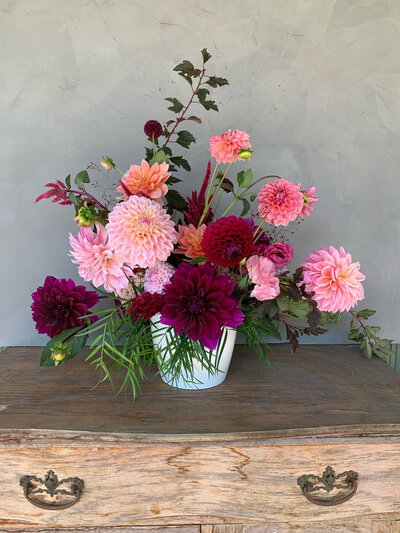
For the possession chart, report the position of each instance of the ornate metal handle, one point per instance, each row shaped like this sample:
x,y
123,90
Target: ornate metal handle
x,y
52,484
311,484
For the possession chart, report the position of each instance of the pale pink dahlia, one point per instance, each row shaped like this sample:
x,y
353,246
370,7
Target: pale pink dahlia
x,y
334,279
97,261
280,202
225,147
157,277
308,199
146,180
141,231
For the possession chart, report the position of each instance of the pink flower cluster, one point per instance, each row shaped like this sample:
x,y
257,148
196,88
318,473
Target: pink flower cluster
x,y
262,272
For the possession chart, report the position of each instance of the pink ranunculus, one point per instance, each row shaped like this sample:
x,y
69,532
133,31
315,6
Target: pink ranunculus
x,y
262,272
226,147
280,202
280,254
334,279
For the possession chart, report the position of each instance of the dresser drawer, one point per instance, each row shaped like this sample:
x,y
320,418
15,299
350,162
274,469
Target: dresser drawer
x,y
139,483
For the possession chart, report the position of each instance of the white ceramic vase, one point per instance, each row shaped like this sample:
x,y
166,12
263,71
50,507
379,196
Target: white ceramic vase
x,y
201,378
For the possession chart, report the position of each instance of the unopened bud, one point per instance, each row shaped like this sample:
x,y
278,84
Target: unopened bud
x,y
59,353
245,154
107,163
86,216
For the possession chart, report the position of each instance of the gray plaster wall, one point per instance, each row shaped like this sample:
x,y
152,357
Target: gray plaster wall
x,y
316,83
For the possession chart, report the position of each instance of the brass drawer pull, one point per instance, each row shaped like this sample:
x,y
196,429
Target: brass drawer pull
x,y
52,484
310,485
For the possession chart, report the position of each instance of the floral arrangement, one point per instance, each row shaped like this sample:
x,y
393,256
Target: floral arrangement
x,y
188,264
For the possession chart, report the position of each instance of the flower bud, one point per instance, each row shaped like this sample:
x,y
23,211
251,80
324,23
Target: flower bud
x,y
153,129
59,353
107,163
86,216
245,154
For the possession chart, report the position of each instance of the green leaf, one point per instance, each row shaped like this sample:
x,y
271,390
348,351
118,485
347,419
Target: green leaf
x,y
68,181
253,197
196,260
365,313
283,303
176,200
370,331
176,106
245,178
195,119
214,81
298,309
353,324
159,157
355,335
206,55
243,282
185,138
82,178
75,345
207,104
366,348
246,207
75,200
172,179
331,318
180,162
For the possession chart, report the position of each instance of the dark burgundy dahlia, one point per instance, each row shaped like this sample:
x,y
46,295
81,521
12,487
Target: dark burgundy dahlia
x,y
199,302
153,128
227,241
146,305
60,304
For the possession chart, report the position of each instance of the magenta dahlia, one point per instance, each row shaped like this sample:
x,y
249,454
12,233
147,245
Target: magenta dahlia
x,y
60,304
227,241
199,302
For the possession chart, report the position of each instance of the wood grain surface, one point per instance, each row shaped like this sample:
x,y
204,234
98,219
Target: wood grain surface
x,y
205,483
319,387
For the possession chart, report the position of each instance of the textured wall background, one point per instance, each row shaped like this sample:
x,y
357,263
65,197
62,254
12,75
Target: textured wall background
x,y
316,83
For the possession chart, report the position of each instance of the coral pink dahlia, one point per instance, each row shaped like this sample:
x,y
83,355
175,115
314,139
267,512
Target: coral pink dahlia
x,y
141,231
146,180
334,279
226,147
97,261
189,239
280,202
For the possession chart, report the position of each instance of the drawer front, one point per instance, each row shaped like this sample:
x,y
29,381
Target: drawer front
x,y
203,483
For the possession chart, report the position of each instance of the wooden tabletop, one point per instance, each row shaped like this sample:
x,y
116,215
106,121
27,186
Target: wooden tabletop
x,y
320,389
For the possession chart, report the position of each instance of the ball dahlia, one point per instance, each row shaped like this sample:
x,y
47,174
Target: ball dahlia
x,y
226,147
227,241
280,202
146,305
141,231
145,180
97,261
334,279
199,302
59,305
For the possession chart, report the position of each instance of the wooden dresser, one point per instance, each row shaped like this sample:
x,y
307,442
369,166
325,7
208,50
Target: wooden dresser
x,y
237,458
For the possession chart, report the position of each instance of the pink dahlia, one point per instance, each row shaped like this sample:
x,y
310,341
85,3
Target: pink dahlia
x,y
262,273
145,180
97,261
309,199
141,231
189,239
227,241
199,302
157,277
60,304
334,279
226,147
280,202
